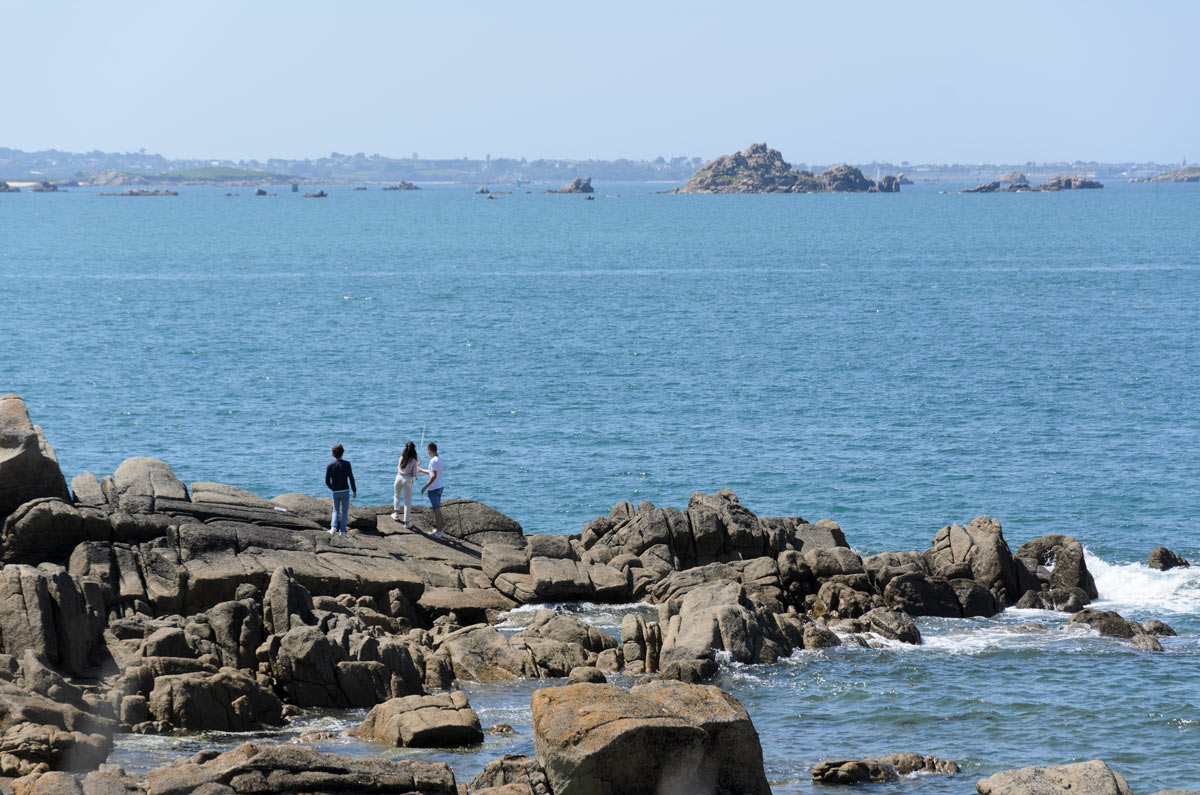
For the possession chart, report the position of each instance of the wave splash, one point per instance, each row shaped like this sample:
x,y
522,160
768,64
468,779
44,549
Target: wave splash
x,y
1135,587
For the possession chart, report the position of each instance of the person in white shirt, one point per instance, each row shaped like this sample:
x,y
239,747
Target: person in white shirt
x,y
435,485
406,475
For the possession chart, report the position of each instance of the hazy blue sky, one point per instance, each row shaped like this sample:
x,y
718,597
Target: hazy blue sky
x,y
946,81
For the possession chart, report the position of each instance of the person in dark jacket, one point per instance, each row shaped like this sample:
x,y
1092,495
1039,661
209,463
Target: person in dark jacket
x,y
339,478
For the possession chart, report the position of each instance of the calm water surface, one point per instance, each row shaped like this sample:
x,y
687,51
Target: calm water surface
x,y
893,362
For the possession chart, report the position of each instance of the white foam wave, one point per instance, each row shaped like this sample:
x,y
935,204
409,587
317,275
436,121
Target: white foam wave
x,y
1136,587
597,614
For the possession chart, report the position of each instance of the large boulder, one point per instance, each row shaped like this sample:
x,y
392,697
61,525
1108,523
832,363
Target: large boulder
x,y
979,552
28,466
719,617
312,670
46,610
229,700
593,738
1094,778
919,595
1065,556
286,603
49,529
230,631
145,485
444,720
253,769
551,625
481,653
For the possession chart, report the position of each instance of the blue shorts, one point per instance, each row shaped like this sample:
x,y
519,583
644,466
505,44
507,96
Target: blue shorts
x,y
435,498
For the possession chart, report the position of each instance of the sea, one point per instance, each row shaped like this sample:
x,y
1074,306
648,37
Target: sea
x,y
894,362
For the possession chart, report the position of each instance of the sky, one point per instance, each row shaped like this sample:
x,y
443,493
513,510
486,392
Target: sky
x,y
933,82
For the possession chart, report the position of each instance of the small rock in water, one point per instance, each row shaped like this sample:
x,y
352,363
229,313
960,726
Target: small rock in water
x,y
501,728
586,673
1158,628
313,736
1164,559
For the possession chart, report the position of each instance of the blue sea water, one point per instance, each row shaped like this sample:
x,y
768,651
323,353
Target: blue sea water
x,y
893,362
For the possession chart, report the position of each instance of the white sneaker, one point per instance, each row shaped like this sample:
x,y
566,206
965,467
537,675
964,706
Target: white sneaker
x,y
333,531
436,534
395,517
408,526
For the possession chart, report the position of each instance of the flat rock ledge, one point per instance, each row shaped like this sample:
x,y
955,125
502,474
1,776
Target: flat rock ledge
x,y
251,769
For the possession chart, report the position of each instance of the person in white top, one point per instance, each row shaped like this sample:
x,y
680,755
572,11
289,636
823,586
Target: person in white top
x,y
435,485
406,475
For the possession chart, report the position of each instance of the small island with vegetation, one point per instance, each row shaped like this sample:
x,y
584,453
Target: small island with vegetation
x,y
1185,174
759,169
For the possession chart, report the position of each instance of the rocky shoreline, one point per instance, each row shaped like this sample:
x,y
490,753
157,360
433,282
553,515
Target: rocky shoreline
x,y
137,603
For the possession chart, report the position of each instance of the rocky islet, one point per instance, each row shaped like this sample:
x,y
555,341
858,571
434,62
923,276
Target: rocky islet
x,y
1017,183
760,169
137,603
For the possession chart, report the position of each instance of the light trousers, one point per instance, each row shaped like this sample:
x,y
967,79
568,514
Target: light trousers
x,y
403,495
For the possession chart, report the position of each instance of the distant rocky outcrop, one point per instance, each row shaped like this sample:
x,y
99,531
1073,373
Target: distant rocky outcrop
x,y
6,188
401,186
759,169
320,194
1069,183
42,186
577,185
259,192
1018,184
903,179
1185,174
144,192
